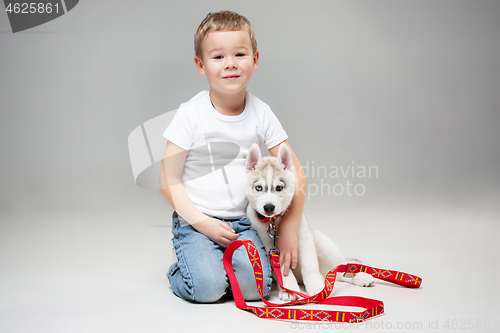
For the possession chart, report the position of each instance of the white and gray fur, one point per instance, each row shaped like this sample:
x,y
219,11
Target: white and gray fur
x,y
270,189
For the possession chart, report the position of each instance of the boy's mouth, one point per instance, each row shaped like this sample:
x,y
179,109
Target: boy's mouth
x,y
230,77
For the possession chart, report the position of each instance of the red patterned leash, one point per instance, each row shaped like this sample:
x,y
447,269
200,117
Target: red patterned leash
x,y
273,311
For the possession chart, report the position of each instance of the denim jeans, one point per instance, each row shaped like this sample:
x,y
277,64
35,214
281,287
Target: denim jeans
x,y
199,275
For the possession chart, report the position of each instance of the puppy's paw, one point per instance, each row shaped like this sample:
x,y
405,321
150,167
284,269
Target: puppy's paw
x,y
287,296
363,280
314,288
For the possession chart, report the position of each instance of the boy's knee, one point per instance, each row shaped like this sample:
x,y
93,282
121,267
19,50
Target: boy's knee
x,y
209,289
204,289
208,295
248,285
249,288
250,293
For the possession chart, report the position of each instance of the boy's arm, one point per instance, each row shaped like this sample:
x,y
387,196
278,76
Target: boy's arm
x,y
287,239
171,186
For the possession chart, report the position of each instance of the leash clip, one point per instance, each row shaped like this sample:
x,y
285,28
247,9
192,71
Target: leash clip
x,y
272,232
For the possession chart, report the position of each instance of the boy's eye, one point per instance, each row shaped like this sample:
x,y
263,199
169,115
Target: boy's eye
x,y
240,54
218,57
258,188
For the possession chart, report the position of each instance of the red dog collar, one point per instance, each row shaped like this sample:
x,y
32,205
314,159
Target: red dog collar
x,y
266,219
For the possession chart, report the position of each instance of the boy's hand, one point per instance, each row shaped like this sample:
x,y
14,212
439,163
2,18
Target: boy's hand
x,y
217,231
287,244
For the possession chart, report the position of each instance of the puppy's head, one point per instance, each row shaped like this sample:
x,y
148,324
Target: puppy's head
x,y
270,180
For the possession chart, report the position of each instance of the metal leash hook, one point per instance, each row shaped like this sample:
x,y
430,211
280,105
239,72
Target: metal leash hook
x,y
273,234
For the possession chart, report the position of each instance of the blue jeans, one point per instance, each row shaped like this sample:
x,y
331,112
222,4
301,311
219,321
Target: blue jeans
x,y
199,275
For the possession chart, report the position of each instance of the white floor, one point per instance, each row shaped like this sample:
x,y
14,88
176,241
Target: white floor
x,y
104,271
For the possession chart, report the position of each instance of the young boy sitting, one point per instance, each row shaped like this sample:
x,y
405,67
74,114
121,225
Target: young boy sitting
x,y
203,176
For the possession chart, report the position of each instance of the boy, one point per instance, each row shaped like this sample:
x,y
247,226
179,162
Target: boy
x,y
203,175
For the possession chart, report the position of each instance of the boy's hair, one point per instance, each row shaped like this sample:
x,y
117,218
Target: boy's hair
x,y
224,20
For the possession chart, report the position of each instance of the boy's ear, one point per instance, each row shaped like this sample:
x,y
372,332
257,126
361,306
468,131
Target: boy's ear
x,y
254,158
256,57
199,65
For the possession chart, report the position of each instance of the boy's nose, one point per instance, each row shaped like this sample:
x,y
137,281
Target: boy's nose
x,y
230,63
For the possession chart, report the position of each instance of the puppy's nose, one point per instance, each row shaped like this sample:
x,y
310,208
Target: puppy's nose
x,y
269,209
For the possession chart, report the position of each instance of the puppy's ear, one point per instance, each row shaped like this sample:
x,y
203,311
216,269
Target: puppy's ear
x,y
285,157
254,158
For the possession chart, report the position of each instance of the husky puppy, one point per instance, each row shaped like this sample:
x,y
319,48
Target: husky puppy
x,y
270,189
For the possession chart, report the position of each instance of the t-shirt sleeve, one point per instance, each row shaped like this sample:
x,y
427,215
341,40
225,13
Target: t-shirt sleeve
x,y
274,132
179,131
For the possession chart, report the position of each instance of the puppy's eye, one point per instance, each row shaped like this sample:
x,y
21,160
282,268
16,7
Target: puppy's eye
x,y
279,188
258,188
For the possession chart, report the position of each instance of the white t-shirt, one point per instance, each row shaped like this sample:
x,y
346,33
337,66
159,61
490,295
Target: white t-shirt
x,y
214,170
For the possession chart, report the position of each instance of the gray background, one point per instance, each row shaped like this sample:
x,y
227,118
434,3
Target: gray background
x,y
412,87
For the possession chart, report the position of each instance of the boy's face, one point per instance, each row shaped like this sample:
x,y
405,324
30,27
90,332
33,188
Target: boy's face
x,y
228,61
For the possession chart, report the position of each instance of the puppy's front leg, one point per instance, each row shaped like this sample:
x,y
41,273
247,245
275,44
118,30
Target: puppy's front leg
x,y
289,282
308,260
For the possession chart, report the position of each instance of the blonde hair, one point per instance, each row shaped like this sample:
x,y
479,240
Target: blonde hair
x,y
224,20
